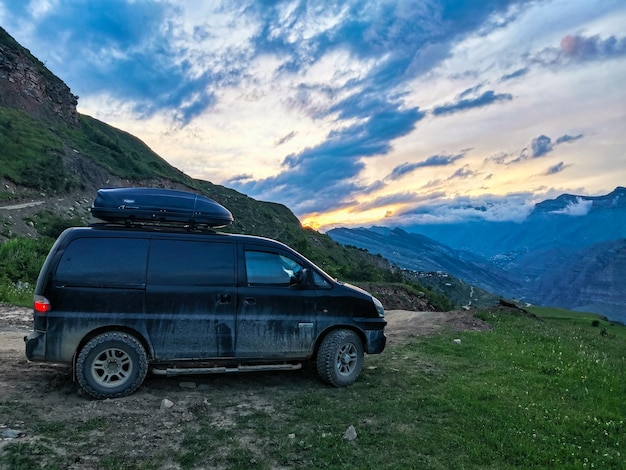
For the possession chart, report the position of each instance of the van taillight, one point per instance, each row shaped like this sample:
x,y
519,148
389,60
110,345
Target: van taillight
x,y
41,304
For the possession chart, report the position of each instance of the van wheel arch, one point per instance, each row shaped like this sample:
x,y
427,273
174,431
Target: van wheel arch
x,y
109,329
326,332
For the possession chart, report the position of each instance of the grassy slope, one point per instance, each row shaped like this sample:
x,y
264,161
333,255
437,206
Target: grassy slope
x,y
32,151
33,155
528,394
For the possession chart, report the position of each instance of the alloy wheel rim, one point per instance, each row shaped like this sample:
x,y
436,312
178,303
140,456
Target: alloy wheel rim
x,y
112,367
347,359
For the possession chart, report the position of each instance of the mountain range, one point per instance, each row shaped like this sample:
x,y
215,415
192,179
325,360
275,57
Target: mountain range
x,y
570,252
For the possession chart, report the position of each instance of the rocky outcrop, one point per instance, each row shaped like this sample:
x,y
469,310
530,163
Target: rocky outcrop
x,y
26,84
398,297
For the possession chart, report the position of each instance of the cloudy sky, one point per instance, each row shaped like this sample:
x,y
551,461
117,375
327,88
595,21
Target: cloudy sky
x,y
355,112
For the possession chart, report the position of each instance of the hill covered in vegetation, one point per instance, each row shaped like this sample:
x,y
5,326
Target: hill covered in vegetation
x,y
53,160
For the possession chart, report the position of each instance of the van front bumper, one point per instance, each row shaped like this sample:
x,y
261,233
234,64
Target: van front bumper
x,y
376,341
36,346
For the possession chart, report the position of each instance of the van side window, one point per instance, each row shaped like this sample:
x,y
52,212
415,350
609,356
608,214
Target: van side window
x,y
104,262
271,268
319,281
190,263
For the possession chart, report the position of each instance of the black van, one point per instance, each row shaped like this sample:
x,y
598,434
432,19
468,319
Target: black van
x,y
113,301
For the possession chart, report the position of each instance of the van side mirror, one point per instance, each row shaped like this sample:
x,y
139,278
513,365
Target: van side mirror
x,y
302,278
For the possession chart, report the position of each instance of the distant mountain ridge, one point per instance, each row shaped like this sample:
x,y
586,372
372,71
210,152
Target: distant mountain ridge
x,y
568,220
570,252
615,199
592,279
419,253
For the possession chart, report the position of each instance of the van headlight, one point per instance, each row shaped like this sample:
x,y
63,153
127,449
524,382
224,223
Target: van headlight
x,y
379,307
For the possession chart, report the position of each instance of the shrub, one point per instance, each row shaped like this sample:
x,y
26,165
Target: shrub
x,y
20,262
49,224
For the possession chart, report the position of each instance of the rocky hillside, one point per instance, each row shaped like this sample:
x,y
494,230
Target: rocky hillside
x,y
25,83
419,253
53,160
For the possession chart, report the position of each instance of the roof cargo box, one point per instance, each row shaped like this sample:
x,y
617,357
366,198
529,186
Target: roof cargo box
x,y
129,205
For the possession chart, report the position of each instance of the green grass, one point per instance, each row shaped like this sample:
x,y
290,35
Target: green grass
x,y
32,153
20,261
531,393
119,152
528,394
50,224
33,149
27,456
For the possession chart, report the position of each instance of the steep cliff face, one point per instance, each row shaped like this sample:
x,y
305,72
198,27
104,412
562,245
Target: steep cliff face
x,y
25,83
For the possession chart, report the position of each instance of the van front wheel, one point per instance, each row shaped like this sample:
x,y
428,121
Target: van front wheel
x,y
111,365
340,358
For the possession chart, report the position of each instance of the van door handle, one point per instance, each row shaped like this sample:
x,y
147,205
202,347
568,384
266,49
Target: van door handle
x,y
249,301
223,298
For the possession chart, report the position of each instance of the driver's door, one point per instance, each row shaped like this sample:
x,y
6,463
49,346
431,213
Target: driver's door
x,y
276,313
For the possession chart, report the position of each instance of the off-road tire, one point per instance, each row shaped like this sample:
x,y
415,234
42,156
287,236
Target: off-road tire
x,y
111,365
340,358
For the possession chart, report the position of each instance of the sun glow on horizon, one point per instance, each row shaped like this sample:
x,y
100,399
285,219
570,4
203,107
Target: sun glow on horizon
x,y
349,216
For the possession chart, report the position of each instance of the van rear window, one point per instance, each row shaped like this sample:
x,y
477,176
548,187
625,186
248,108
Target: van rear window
x,y
104,262
189,263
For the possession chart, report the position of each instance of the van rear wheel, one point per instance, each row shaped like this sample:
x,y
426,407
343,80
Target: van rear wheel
x,y
340,358
111,365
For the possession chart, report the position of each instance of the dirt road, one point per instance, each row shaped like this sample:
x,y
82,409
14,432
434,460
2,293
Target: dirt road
x,y
37,381
15,207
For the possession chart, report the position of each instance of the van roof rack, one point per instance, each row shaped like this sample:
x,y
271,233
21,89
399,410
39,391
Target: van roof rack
x,y
156,226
